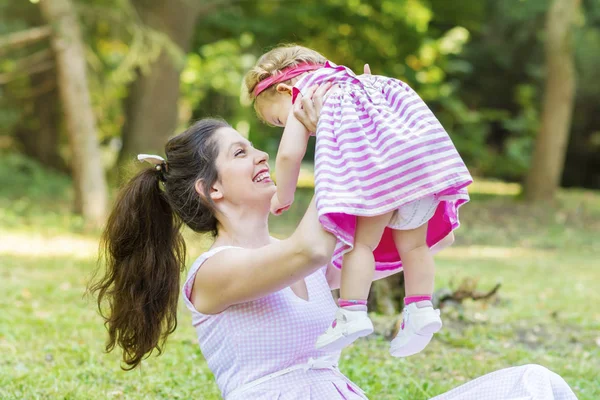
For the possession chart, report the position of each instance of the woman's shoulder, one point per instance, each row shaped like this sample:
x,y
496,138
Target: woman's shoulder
x,y
208,273
203,257
188,284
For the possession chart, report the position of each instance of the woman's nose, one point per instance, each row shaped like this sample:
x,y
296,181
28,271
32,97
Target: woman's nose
x,y
261,157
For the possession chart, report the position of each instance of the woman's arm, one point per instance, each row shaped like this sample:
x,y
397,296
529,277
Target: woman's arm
x,y
236,276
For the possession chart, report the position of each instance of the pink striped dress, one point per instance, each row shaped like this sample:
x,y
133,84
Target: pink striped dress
x,y
379,147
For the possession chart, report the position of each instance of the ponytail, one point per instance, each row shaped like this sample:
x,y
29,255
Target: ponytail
x,y
142,246
144,253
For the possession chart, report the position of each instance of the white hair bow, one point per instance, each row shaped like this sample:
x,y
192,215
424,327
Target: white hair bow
x,y
155,160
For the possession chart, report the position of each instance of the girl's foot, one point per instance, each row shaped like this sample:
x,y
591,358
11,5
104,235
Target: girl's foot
x,y
420,322
346,328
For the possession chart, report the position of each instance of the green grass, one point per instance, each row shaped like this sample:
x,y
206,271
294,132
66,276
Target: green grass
x,y
546,257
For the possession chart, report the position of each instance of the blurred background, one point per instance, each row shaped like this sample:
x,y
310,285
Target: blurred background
x,y
85,85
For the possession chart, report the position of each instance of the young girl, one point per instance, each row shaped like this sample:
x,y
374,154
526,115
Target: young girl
x,y
388,183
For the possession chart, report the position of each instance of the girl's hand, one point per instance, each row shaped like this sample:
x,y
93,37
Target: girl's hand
x,y
277,207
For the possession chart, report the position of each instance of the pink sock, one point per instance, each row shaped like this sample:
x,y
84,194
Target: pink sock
x,y
353,305
416,299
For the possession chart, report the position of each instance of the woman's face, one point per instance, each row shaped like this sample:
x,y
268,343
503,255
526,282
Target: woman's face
x,y
244,177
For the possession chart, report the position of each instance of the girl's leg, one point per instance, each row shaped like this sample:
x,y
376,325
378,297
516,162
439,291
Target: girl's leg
x,y
358,266
420,320
417,261
442,244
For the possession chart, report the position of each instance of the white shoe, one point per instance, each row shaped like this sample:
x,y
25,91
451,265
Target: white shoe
x,y
345,329
418,327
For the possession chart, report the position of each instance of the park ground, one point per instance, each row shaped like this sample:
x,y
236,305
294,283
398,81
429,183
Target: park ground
x,y
546,257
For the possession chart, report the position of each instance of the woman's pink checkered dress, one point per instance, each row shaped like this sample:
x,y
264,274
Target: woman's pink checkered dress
x,y
378,148
251,340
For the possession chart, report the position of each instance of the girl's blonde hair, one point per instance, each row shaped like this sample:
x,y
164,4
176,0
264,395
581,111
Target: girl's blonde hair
x,y
274,61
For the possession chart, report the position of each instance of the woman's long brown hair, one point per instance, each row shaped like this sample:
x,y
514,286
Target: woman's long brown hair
x,y
142,249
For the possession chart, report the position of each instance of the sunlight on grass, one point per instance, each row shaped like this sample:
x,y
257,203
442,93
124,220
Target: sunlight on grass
x,y
490,252
44,246
498,188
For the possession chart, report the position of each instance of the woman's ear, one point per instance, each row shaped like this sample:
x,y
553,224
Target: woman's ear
x,y
216,192
284,88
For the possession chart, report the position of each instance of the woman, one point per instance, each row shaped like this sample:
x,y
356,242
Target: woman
x,y
258,304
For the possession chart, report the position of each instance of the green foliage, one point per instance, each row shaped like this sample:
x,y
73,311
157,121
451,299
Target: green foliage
x,y
23,178
34,198
478,64
119,45
14,17
401,44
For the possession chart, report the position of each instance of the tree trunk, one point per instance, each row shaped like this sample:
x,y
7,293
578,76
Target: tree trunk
x,y
88,175
550,147
151,107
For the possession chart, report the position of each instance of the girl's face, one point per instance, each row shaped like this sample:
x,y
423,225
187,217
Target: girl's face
x,y
274,108
244,177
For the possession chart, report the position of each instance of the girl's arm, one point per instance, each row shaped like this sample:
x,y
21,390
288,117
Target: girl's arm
x,y
239,275
289,158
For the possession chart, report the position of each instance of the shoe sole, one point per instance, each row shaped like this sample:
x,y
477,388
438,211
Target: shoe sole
x,y
341,341
418,341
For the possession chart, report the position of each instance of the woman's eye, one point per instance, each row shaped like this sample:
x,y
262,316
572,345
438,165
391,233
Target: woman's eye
x,y
238,152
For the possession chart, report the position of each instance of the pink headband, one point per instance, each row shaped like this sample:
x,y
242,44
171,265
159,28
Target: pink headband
x,y
284,75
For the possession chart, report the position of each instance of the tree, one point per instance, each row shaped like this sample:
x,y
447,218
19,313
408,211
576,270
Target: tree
x,y
88,176
151,106
550,147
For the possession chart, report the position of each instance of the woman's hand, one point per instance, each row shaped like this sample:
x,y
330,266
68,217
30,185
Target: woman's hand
x,y
308,108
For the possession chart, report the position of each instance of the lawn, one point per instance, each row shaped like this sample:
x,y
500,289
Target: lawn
x,y
546,258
